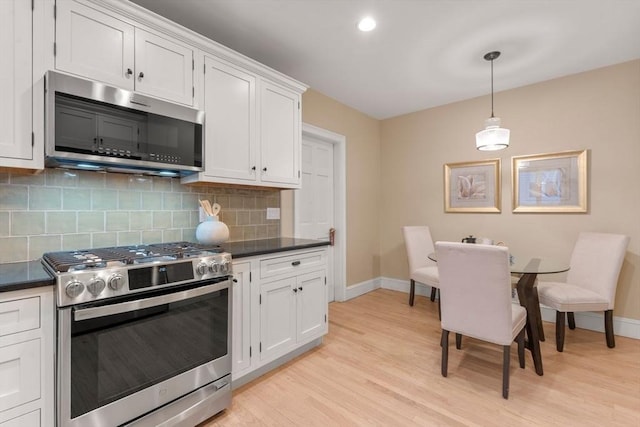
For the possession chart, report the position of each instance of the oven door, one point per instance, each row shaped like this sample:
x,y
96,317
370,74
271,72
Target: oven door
x,y
118,361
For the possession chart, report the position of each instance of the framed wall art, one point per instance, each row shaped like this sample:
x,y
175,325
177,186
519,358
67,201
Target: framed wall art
x,y
555,182
472,186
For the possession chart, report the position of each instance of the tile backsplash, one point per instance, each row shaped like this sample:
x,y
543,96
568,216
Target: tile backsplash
x,y
66,210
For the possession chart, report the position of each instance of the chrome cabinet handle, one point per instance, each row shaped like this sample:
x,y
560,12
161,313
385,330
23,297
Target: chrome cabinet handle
x,y
295,263
129,71
141,75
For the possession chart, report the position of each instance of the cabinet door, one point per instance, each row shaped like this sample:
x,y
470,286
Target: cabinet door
x,y
92,44
20,368
163,68
230,132
241,335
277,317
280,135
15,80
311,306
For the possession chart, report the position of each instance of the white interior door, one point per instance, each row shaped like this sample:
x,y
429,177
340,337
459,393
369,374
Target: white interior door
x,y
314,208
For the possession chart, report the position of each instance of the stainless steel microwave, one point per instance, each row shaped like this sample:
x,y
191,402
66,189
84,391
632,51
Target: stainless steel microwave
x,y
92,126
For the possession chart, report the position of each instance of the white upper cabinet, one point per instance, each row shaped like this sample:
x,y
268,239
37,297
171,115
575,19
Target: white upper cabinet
x,y
280,135
16,84
252,129
230,122
99,46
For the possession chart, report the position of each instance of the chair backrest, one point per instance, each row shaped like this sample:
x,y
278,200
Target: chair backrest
x,y
596,261
475,297
419,244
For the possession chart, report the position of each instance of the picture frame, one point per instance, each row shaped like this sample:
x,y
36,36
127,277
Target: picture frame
x,y
550,183
472,187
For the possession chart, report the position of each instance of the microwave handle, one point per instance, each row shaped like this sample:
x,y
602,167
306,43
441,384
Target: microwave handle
x,y
124,307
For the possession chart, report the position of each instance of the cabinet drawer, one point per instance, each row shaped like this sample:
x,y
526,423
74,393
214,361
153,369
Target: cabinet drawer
x,y
32,419
19,315
20,373
291,263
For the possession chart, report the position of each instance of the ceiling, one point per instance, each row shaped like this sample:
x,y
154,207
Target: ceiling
x,y
423,53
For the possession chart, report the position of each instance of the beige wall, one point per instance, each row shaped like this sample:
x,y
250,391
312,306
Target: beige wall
x,y
363,181
597,110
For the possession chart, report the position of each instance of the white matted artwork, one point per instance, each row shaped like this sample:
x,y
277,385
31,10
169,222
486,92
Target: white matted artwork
x,y
472,186
555,182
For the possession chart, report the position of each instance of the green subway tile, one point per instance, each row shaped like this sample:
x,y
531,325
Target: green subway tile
x,y
41,244
117,221
117,181
45,198
161,220
14,197
13,249
73,242
27,223
194,218
104,240
180,219
171,201
235,233
151,201
249,232
129,200
128,238
151,236
190,201
161,184
249,202
62,178
171,235
273,230
140,183
244,217
140,220
28,179
229,217
89,179
262,231
61,222
222,200
4,223
189,235
258,217
90,221
74,199
105,199
236,202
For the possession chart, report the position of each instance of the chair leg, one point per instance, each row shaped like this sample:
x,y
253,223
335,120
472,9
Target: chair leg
x,y
506,357
458,341
412,292
608,328
439,309
559,330
445,351
433,294
520,340
571,319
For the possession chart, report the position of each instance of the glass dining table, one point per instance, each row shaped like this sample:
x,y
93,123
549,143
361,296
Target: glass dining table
x,y
528,268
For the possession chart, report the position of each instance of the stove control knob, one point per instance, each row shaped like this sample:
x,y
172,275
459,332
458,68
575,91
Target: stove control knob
x,y
74,288
214,267
201,268
225,267
116,281
96,286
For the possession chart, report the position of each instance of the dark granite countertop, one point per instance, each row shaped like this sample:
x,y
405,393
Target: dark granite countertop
x,y
247,248
23,275
31,274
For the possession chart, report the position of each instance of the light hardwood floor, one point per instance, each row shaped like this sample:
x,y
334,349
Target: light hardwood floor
x,y
380,366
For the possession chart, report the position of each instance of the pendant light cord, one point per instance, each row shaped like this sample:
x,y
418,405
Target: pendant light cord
x,y
491,88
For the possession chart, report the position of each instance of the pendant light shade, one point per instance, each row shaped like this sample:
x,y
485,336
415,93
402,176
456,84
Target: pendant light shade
x,y
493,137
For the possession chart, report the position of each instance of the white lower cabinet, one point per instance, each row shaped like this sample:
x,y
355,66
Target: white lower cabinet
x,y
26,358
287,308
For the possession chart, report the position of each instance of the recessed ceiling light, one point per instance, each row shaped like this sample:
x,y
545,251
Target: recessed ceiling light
x,y
367,24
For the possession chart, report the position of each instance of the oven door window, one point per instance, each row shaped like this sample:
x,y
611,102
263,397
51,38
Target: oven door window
x,y
117,355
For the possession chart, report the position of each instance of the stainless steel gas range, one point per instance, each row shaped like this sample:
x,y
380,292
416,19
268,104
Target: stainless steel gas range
x,y
143,334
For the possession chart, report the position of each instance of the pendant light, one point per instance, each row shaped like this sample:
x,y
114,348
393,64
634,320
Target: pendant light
x,y
493,137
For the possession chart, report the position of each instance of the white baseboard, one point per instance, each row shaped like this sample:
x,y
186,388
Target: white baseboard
x,y
361,288
622,326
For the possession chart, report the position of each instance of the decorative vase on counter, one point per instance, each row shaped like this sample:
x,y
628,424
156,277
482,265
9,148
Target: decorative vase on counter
x,y
212,231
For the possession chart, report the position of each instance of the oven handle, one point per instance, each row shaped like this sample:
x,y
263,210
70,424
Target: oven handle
x,y
124,307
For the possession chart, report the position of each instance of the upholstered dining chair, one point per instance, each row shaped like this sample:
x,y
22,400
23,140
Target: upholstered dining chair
x,y
591,282
476,300
418,242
